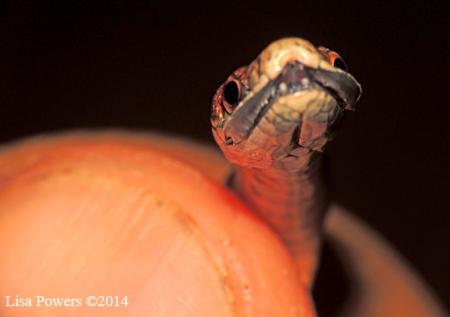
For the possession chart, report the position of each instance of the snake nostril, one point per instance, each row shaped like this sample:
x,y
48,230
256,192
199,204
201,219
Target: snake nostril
x,y
228,140
231,93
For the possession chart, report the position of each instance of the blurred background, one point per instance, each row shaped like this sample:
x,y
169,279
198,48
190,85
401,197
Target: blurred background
x,y
71,64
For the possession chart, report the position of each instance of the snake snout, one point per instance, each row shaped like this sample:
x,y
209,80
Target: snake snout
x,y
296,51
288,51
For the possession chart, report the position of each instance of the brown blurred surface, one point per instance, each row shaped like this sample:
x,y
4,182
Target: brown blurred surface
x,y
69,64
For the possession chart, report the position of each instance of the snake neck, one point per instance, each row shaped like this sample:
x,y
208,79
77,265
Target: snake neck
x,y
293,204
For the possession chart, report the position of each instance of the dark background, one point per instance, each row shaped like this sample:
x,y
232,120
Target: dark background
x,y
75,64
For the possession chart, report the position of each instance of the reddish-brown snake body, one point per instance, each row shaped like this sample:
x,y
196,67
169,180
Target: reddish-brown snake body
x,y
272,120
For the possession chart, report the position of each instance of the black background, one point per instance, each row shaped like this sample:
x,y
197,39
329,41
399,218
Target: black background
x,y
74,64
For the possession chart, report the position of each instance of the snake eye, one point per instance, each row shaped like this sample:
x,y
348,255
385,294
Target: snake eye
x,y
337,61
231,95
334,58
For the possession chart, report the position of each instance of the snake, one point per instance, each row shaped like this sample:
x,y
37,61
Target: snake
x,y
272,120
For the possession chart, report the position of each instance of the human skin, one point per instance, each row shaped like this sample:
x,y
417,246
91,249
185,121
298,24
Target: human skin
x,y
114,214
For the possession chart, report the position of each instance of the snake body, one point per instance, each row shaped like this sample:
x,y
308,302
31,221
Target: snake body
x,y
272,120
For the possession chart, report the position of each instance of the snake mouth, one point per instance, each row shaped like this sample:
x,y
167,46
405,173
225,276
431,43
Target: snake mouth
x,y
295,77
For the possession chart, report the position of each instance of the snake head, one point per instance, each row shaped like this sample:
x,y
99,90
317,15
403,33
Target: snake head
x,y
283,107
